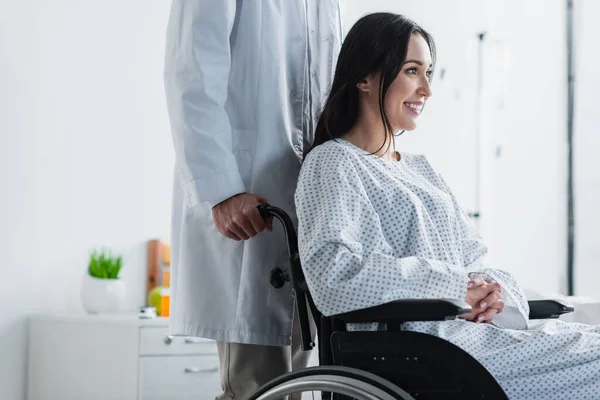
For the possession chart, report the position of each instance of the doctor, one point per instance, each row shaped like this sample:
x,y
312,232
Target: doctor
x,y
244,81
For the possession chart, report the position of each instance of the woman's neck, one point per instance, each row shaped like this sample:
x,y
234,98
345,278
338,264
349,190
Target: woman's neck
x,y
369,134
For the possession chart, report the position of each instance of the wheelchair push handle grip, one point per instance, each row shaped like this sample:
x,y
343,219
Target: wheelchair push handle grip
x,y
263,209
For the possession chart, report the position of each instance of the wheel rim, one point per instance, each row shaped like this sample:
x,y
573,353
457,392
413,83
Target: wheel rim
x,y
303,387
341,385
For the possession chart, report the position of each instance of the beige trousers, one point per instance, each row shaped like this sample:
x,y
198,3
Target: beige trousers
x,y
246,367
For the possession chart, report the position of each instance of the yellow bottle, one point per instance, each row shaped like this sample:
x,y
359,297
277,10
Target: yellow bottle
x,y
165,294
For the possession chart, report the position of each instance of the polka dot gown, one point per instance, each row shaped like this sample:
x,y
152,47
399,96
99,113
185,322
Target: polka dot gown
x,y
372,231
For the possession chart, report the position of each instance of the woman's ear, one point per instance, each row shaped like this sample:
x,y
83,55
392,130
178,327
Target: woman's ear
x,y
364,85
369,83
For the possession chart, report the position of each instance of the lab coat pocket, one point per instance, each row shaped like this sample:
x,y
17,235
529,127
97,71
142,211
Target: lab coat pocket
x,y
202,211
243,150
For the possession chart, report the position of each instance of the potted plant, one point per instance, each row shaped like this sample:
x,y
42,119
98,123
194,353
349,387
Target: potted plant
x,y
102,291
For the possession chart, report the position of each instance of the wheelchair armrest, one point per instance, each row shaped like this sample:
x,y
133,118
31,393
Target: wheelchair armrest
x,y
543,309
408,310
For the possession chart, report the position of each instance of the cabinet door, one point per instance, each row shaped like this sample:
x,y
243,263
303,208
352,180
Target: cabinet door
x,y
179,378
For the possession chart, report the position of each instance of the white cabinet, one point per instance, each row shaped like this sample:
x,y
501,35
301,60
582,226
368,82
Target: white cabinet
x,y
185,375
117,357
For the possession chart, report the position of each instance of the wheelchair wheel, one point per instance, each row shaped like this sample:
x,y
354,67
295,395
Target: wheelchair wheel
x,y
338,381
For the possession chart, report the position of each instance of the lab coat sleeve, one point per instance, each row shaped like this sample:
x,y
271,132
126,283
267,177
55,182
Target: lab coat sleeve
x,y
196,73
516,307
347,261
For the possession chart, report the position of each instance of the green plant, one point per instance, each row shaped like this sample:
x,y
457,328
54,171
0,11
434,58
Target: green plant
x,y
104,265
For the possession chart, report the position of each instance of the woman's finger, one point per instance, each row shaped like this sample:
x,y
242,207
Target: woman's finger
x,y
487,316
473,283
490,299
498,305
469,317
493,309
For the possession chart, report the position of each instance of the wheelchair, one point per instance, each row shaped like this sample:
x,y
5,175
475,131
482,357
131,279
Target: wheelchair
x,y
386,364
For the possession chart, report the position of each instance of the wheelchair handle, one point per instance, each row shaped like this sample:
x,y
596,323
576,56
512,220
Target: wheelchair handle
x,y
264,210
294,274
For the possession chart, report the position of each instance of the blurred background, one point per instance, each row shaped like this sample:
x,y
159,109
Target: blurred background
x,y
86,154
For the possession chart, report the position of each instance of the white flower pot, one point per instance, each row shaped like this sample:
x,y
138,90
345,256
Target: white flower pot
x,y
102,295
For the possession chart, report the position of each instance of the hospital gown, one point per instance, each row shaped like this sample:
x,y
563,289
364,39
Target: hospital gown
x,y
373,231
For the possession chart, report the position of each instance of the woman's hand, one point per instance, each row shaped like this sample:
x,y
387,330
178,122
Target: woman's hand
x,y
484,299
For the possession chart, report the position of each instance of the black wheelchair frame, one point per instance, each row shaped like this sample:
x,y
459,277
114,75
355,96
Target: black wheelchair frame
x,y
425,366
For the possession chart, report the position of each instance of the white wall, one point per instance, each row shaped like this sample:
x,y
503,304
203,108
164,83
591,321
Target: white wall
x,y
525,120
85,154
586,147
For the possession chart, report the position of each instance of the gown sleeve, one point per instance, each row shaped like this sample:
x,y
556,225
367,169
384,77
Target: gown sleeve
x,y
516,307
347,262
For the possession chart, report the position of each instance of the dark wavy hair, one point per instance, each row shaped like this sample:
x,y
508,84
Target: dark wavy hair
x,y
377,43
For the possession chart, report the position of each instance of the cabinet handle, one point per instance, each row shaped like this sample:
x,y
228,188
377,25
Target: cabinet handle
x,y
193,340
169,340
196,370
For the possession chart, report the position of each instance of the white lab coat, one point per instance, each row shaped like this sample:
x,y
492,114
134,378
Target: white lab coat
x,y
244,80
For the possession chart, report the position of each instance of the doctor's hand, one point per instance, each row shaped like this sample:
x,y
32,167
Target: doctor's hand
x,y
238,218
484,299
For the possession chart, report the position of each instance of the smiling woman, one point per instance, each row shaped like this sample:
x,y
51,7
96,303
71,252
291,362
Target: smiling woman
x,y
376,226
381,83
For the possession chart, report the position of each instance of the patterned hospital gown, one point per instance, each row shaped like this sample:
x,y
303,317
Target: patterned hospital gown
x,y
372,231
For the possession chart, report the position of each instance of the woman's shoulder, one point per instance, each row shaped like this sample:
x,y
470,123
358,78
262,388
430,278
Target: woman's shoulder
x,y
328,162
419,163
336,147
415,159
333,153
